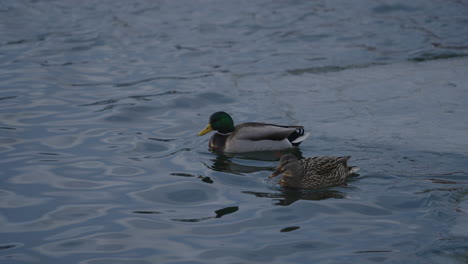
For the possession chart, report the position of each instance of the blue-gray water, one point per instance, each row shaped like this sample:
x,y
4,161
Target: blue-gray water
x,y
100,102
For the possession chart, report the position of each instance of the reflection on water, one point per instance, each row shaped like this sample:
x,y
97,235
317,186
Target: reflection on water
x,y
232,163
63,216
261,155
287,197
226,164
219,213
178,193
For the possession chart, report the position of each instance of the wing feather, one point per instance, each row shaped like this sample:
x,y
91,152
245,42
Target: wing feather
x,y
261,131
324,164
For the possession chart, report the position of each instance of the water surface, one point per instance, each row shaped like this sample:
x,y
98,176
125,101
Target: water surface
x,y
100,102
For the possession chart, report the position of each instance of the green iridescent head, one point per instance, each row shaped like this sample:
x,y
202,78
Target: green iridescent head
x,y
219,121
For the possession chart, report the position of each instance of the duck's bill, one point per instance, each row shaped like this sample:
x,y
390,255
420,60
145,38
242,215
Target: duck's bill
x,y
207,129
277,172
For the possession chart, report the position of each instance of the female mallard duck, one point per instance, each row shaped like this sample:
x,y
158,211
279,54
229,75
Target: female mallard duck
x,y
249,137
313,173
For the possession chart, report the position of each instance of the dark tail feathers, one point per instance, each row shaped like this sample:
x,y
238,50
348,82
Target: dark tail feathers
x,y
295,137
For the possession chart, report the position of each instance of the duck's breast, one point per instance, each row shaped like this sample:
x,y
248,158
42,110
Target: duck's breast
x,y
218,142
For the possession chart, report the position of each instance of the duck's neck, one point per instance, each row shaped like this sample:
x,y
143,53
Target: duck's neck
x,y
291,181
218,141
292,176
224,134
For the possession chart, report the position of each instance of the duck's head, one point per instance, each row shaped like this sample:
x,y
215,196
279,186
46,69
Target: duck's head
x,y
287,165
219,121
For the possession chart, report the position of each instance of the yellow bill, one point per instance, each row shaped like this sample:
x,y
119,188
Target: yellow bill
x,y
207,129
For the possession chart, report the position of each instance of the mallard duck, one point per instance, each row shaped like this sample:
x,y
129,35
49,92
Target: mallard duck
x,y
313,173
250,137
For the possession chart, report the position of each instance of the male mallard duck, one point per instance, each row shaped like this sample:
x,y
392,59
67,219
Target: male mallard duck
x,y
313,173
249,137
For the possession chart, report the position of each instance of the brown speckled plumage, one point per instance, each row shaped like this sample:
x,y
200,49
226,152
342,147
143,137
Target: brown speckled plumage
x,y
313,173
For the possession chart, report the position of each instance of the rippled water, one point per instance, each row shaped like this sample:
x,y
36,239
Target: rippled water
x,y
100,102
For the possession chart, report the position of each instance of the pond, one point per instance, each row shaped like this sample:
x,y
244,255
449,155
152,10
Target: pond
x,y
101,101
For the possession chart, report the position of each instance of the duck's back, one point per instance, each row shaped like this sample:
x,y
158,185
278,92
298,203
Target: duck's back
x,y
323,171
250,137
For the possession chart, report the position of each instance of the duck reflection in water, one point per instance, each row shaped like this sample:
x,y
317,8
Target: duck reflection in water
x,y
286,197
231,163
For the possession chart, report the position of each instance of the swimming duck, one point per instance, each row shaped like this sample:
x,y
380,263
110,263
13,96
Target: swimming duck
x,y
313,173
250,137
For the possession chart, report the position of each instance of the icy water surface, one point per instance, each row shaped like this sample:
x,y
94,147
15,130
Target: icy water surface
x,y
100,102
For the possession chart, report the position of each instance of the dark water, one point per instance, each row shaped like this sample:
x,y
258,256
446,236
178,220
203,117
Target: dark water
x,y
100,102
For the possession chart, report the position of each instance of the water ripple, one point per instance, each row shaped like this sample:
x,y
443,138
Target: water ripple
x,y
124,84
180,193
9,199
45,175
63,216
